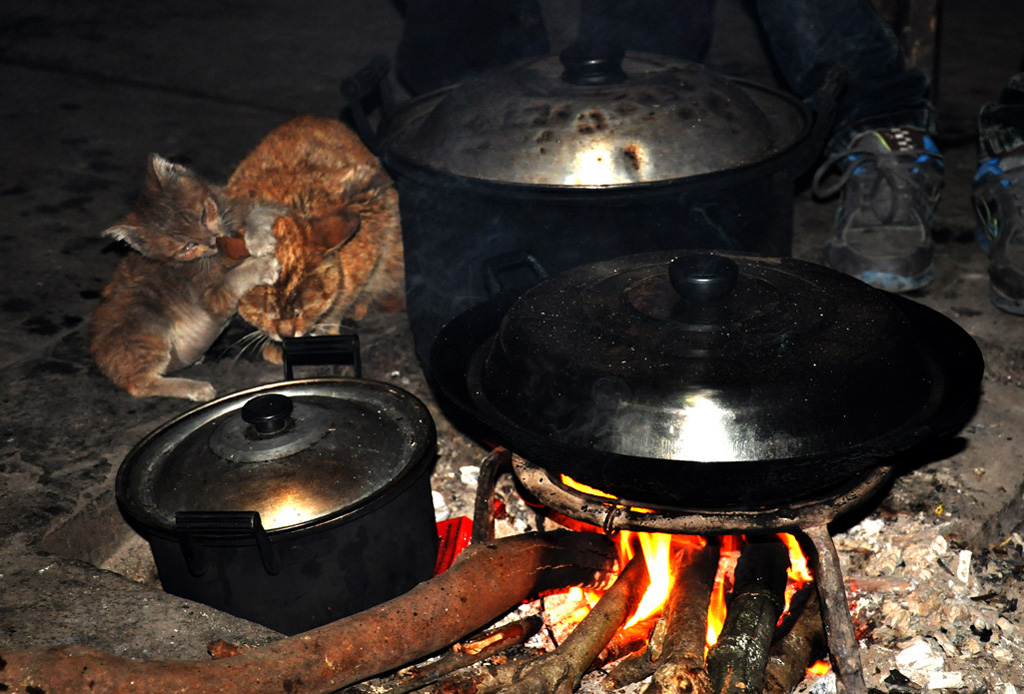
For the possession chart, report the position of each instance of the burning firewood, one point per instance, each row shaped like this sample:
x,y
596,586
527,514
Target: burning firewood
x,y
560,671
791,655
678,655
484,583
627,641
461,655
736,663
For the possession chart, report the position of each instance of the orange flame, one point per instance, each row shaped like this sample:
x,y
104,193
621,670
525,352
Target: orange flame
x,y
819,668
587,489
798,572
660,551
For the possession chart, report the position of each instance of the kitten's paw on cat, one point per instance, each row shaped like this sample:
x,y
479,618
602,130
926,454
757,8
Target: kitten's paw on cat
x,y
259,229
273,353
187,388
268,269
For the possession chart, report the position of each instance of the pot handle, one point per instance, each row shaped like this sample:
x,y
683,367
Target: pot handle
x,y
321,349
514,271
192,526
361,85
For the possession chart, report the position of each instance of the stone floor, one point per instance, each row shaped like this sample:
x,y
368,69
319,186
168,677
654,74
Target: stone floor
x,y
92,87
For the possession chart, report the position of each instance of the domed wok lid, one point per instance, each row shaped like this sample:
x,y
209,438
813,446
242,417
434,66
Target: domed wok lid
x,y
716,358
594,117
298,452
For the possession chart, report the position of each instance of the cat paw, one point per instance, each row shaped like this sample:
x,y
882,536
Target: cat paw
x,y
268,269
202,392
273,353
259,229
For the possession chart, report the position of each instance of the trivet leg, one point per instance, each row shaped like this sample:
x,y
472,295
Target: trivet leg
x,y
835,610
483,507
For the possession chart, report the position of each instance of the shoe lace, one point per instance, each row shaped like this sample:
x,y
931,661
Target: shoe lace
x,y
892,168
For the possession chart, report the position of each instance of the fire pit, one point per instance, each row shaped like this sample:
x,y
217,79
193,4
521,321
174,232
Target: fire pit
x,y
809,517
815,384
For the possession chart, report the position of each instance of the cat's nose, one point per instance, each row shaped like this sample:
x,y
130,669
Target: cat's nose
x,y
286,328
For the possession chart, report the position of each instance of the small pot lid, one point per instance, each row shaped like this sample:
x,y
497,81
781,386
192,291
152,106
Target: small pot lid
x,y
594,117
297,452
707,357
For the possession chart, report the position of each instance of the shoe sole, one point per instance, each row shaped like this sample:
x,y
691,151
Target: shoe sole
x,y
897,284
1004,302
983,239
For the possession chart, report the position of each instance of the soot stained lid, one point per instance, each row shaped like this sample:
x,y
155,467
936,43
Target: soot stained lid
x,y
595,117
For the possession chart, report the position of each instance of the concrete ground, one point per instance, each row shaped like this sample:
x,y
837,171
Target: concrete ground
x,y
91,88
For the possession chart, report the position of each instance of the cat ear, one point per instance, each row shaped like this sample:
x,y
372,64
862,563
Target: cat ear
x,y
133,236
163,170
336,230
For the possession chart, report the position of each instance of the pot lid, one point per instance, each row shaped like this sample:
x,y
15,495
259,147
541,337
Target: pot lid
x,y
593,117
297,452
707,357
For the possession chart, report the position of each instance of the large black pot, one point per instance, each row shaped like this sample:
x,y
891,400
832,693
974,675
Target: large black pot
x,y
583,158
291,504
707,381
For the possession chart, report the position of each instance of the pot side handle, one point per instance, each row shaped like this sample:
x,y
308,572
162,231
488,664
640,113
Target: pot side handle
x,y
515,271
191,527
319,350
358,87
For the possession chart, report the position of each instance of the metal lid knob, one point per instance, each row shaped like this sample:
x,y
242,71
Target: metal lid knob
x,y
703,277
268,414
593,63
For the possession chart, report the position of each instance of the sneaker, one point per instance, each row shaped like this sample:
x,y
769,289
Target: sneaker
x,y
999,201
891,181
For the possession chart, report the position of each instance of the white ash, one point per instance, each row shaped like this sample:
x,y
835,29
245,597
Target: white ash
x,y
957,627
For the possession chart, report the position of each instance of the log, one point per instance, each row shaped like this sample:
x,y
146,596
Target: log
x,y
736,663
484,583
627,641
680,658
802,645
632,668
462,655
560,671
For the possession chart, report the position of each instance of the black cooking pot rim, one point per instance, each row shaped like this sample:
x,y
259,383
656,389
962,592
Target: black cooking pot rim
x,y
419,462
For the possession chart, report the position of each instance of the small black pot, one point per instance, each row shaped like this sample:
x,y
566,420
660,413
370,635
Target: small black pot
x,y
292,504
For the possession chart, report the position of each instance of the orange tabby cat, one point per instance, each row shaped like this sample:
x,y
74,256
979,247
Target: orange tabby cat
x,y
340,249
167,303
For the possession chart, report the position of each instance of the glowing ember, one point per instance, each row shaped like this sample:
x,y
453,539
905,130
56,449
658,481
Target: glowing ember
x,y
819,668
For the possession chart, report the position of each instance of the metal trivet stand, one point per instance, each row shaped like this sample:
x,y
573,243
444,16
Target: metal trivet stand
x,y
810,517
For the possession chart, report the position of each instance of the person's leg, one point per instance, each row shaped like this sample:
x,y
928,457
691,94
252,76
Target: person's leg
x,y
664,27
889,170
808,38
445,42
999,194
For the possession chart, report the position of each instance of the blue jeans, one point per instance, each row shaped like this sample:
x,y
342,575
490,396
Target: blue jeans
x,y
810,37
1001,123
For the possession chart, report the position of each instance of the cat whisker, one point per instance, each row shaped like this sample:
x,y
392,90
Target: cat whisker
x,y
244,344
